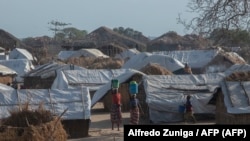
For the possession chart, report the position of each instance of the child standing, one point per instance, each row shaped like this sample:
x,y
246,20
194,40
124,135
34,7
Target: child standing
x,y
116,114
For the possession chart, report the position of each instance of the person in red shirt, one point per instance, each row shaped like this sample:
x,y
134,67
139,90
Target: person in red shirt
x,y
189,114
116,114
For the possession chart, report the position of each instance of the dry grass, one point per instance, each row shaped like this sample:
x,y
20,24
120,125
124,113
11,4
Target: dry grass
x,y
239,76
24,124
155,69
97,63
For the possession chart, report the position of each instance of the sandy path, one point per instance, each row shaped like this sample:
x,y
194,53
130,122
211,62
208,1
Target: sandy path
x,y
100,126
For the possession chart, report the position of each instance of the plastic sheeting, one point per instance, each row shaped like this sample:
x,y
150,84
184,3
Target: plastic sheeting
x,y
127,53
51,69
237,68
104,89
21,66
91,78
194,58
64,55
140,60
236,96
20,53
76,102
165,93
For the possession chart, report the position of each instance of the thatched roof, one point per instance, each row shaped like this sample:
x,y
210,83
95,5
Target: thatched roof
x,y
96,63
155,69
173,41
104,36
8,41
111,49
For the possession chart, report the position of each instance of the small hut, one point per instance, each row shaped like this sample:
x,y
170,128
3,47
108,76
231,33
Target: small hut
x,y
32,124
73,107
7,75
232,106
42,77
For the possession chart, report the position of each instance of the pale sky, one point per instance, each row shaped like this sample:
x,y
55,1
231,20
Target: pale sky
x,y
30,18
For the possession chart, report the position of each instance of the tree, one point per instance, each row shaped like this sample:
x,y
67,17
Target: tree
x,y
57,26
214,14
230,38
129,32
70,34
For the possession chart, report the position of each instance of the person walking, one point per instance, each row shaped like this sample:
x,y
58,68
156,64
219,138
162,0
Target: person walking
x,y
134,110
189,113
116,114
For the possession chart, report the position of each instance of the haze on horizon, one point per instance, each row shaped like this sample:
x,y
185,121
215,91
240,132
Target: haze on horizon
x,y
29,18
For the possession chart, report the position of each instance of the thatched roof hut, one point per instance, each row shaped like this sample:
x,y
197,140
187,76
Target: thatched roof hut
x,y
8,41
104,36
43,76
72,106
222,61
172,41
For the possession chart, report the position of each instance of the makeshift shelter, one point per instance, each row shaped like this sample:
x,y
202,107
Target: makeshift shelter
x,y
20,53
21,66
237,68
65,55
233,100
72,105
6,75
125,95
166,93
4,87
43,76
103,93
142,59
205,61
94,79
127,54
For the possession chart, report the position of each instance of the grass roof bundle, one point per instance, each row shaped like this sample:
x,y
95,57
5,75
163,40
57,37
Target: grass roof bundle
x,y
25,124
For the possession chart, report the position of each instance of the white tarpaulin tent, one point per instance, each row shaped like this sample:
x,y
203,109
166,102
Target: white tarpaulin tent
x,y
105,88
237,68
140,60
6,71
194,58
4,87
51,69
165,93
20,53
127,53
76,102
21,66
91,78
198,59
64,55
236,96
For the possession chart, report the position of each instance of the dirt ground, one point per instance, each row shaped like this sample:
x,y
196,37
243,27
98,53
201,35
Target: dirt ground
x,y
100,126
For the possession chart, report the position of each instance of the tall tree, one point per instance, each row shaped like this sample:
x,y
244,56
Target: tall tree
x,y
218,14
57,26
70,34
